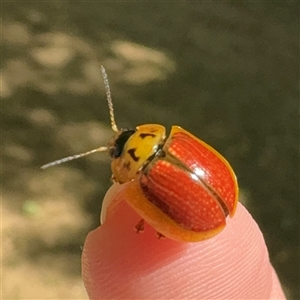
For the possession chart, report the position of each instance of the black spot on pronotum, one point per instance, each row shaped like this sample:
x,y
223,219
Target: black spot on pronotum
x,y
116,149
144,135
131,152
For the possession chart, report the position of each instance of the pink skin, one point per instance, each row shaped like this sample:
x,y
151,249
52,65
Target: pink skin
x,y
117,263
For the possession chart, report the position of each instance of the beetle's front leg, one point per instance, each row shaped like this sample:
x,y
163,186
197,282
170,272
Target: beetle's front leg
x,y
140,226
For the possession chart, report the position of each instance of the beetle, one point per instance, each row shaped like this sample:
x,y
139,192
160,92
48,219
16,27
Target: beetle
x,y
177,183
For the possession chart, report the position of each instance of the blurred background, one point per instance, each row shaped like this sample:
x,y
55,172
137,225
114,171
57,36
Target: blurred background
x,y
226,72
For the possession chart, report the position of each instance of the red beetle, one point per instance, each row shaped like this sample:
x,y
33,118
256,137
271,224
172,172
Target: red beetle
x,y
178,184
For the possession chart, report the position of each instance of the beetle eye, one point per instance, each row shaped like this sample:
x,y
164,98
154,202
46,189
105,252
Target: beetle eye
x,y
117,147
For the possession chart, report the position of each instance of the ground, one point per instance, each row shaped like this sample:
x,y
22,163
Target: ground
x,y
226,72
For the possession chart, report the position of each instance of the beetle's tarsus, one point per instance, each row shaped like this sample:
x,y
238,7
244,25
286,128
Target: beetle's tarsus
x,y
113,179
159,235
140,226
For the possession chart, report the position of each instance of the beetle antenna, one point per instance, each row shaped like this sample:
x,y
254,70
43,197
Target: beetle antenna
x,y
113,126
109,100
72,157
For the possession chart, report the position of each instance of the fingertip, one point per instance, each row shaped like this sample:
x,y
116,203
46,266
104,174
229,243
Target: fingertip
x,y
115,258
118,263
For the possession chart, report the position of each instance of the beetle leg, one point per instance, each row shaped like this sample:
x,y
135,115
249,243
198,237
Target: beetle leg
x,y
139,227
113,178
159,235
